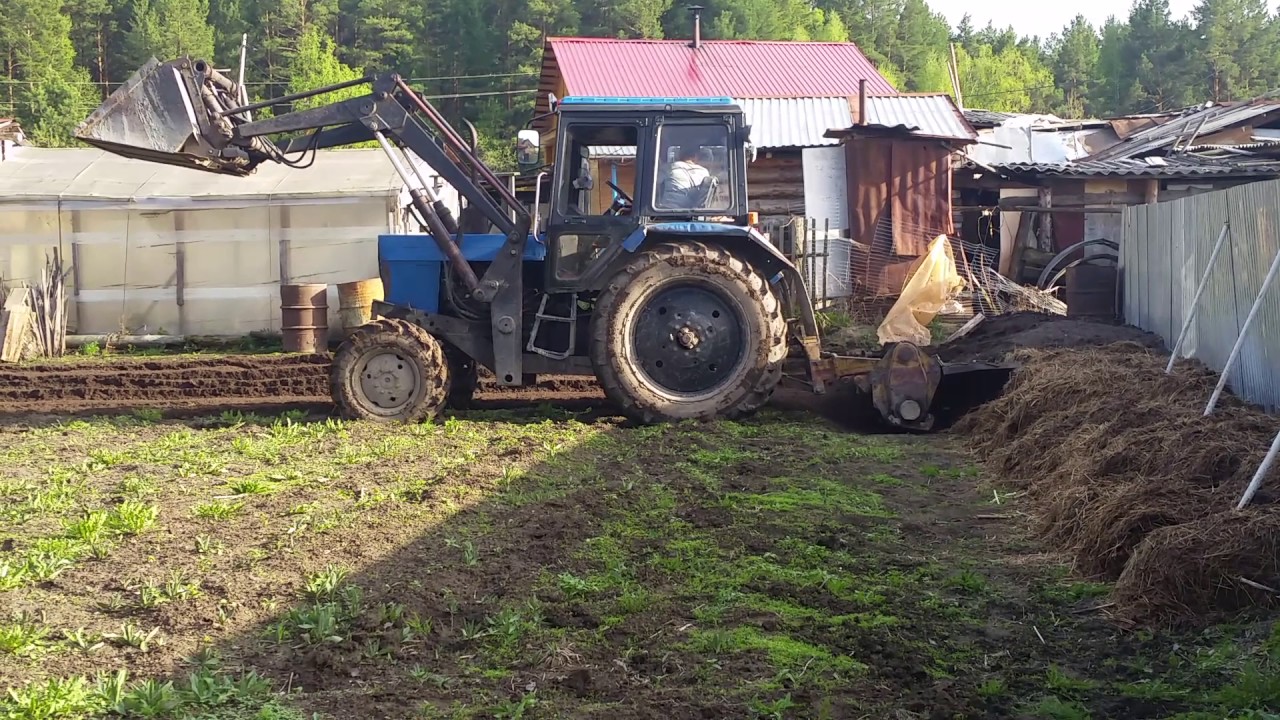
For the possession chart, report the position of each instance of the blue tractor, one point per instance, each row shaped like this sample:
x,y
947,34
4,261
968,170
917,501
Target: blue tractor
x,y
668,295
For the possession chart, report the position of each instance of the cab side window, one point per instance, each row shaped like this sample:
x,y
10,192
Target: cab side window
x,y
597,156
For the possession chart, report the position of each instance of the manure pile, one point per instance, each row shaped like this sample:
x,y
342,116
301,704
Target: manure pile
x,y
1126,477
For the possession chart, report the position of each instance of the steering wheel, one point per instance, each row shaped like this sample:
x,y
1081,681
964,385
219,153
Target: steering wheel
x,y
622,204
622,194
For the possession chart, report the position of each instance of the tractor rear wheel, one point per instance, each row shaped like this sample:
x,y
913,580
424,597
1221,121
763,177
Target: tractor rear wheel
x,y
688,331
390,370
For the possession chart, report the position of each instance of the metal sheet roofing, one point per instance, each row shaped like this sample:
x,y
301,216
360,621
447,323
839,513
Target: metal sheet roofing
x,y
1199,123
934,115
795,122
1145,167
777,123
42,174
734,68
987,118
612,151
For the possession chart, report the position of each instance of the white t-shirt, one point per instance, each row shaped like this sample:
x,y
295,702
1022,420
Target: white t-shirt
x,y
684,176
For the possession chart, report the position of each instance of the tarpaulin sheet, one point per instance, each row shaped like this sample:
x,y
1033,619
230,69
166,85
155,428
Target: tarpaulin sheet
x,y
929,290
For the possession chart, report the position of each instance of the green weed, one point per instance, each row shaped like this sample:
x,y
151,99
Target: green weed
x,y
217,510
132,518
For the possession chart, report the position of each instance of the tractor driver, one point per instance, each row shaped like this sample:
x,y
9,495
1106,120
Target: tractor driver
x,y
688,182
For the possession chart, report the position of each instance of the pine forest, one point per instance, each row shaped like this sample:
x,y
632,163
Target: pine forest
x,y
480,58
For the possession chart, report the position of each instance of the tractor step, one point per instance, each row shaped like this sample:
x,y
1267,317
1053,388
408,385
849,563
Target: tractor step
x,y
543,315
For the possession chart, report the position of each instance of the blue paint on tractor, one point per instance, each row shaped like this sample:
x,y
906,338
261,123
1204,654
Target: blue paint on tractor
x,y
636,239
412,267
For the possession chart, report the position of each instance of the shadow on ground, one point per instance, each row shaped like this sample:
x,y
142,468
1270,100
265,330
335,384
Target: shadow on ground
x,y
557,563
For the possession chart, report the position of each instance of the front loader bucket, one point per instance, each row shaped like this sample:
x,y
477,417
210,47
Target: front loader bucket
x,y
164,114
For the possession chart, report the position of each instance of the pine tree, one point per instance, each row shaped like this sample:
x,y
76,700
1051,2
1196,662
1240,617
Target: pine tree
x,y
1075,65
168,29
1238,40
922,45
315,64
624,18
1158,52
95,37
42,85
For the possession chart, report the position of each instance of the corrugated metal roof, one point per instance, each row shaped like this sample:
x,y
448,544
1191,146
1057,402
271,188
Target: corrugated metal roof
x,y
1146,167
1200,123
796,122
612,151
777,123
933,115
733,68
987,118
43,174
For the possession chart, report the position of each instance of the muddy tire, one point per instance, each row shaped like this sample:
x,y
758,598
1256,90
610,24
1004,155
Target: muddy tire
x,y
390,371
688,331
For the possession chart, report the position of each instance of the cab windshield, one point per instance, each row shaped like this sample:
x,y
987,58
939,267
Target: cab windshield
x,y
693,170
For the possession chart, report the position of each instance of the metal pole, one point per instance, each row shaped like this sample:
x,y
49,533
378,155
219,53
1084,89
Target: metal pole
x,y
1244,329
1195,302
244,92
439,231
1262,473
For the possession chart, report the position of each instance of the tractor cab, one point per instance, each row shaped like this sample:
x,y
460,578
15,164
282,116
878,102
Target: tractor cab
x,y
622,165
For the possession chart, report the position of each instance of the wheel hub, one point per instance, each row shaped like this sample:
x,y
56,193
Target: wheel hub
x,y
688,340
388,380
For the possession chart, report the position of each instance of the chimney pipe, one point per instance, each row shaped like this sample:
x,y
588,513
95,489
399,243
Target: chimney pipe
x,y
862,101
696,11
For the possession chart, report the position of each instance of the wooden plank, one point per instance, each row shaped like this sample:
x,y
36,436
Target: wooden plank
x,y
15,320
1117,199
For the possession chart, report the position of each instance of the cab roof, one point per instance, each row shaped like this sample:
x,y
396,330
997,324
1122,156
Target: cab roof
x,y
634,104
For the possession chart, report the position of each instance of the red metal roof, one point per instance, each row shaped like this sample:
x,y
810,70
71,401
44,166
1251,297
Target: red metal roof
x,y
718,68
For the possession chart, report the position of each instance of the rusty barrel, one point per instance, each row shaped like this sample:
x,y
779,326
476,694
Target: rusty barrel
x,y
304,317
355,302
1091,291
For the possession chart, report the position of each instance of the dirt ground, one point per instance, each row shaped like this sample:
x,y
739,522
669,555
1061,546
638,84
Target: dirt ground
x,y
198,537
541,564
198,383
995,338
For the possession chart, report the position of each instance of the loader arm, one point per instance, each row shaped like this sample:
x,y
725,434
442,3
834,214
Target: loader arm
x,y
183,112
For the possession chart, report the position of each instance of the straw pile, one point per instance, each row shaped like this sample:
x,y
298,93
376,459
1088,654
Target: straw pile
x,y
1128,479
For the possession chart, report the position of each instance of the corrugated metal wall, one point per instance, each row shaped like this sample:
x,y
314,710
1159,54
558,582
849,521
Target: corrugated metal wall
x,y
1165,252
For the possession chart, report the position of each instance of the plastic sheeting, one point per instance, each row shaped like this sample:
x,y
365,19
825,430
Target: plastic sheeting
x,y
934,283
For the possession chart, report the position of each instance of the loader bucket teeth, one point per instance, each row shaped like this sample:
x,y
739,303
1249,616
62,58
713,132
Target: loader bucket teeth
x,y
160,116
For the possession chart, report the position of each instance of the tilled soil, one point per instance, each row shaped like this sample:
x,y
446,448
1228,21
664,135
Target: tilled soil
x,y
997,337
207,383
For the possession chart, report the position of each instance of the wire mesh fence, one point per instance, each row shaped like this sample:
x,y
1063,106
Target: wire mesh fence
x,y
863,280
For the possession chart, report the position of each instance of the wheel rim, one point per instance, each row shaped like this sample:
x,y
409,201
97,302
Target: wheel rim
x,y
388,381
687,341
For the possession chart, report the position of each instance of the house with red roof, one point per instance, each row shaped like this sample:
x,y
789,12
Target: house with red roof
x,y
798,97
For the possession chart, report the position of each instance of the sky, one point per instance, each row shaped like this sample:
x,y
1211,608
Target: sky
x,y
1043,17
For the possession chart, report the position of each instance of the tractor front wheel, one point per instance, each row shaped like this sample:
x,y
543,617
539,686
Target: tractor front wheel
x,y
688,331
390,370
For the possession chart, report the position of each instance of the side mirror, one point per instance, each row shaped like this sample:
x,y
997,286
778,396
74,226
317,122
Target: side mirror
x,y
528,149
751,153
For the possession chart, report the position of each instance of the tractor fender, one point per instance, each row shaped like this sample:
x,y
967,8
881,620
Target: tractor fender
x,y
748,244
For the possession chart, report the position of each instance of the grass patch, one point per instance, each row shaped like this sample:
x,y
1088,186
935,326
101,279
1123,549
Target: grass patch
x,y
529,564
